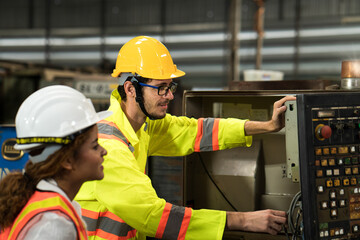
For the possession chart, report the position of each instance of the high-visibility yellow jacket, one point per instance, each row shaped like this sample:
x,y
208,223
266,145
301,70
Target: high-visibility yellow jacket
x,y
124,205
41,202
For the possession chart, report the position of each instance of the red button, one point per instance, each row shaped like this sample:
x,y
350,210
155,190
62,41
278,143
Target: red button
x,y
325,132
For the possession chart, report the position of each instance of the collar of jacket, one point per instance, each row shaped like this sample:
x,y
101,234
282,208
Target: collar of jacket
x,y
120,119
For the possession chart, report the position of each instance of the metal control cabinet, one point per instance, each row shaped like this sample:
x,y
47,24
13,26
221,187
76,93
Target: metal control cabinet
x,y
251,178
329,151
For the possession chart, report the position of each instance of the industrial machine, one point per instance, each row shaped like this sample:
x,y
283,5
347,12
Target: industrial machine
x,y
329,152
239,179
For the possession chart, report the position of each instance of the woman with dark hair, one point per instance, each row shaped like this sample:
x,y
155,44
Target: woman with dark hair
x,y
57,127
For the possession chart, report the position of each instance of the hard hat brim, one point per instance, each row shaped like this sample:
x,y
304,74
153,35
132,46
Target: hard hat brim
x,y
177,74
100,116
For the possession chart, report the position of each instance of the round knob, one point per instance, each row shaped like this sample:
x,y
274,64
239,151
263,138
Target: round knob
x,y
323,132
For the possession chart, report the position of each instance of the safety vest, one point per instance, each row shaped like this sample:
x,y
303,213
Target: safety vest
x,y
124,205
44,202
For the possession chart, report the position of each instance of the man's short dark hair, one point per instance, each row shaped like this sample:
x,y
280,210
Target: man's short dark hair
x,y
121,87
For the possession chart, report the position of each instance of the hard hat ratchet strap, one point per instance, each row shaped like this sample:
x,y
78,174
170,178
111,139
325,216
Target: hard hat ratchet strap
x,y
57,140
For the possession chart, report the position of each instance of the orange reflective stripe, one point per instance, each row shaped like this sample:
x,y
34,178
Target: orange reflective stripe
x,y
207,138
106,136
174,222
109,236
215,135
109,123
185,224
112,216
107,225
43,202
4,233
163,220
95,215
199,135
109,130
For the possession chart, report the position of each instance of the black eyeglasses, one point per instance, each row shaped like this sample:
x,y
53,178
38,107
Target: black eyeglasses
x,y
162,90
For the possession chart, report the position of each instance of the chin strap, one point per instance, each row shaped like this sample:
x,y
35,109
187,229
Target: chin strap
x,y
139,97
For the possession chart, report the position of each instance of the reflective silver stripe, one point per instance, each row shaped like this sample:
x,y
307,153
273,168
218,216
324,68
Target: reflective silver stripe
x,y
206,140
107,225
110,130
174,222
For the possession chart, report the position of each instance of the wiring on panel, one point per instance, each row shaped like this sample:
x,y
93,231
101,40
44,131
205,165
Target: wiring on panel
x,y
213,181
295,218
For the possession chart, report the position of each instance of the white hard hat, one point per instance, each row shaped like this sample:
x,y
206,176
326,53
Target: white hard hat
x,y
51,114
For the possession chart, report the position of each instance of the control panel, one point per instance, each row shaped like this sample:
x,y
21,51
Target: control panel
x,y
329,158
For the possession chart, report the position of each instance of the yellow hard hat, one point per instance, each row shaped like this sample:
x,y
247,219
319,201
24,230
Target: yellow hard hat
x,y
147,57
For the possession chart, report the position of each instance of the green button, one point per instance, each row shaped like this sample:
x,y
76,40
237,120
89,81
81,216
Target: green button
x,y
347,160
323,226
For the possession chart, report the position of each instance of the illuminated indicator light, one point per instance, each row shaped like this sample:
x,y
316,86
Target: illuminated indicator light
x,y
324,162
343,150
352,149
334,213
329,183
340,161
346,182
326,151
342,203
326,233
333,204
320,189
332,162
333,150
318,151
332,194
347,171
324,205
355,170
319,173
337,182
353,181
342,191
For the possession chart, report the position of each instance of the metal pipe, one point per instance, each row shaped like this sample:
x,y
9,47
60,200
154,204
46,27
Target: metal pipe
x,y
235,25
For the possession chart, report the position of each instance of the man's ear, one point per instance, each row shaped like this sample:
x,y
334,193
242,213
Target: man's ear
x,y
129,89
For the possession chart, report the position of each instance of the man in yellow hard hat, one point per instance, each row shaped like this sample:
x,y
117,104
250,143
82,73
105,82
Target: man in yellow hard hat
x,y
124,205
